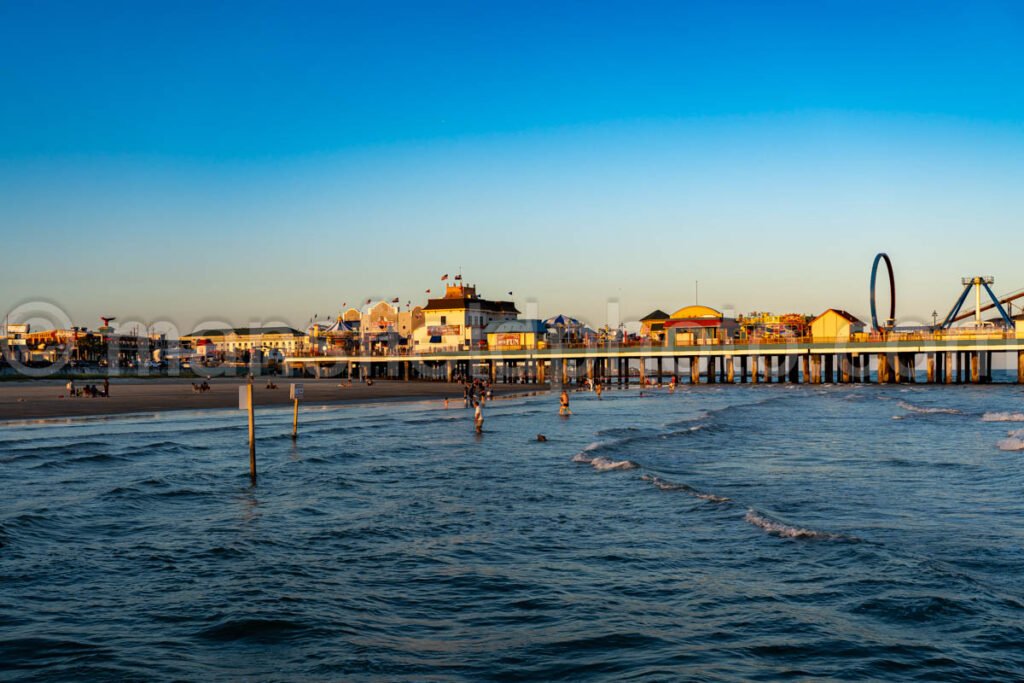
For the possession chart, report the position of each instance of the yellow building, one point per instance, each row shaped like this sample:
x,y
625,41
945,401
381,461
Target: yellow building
x,y
698,325
652,325
835,325
516,335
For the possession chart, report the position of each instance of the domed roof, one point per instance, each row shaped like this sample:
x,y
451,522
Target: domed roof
x,y
696,312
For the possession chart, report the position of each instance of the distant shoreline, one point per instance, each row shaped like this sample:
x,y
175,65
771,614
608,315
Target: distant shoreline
x,y
45,399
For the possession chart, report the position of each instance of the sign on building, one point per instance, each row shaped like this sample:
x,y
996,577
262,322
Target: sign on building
x,y
444,330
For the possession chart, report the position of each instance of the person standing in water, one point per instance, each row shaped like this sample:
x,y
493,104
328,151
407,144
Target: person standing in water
x,y
478,417
563,407
598,389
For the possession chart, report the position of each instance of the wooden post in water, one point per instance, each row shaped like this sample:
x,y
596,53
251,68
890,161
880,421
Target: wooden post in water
x,y
730,370
1020,367
883,368
295,393
755,375
975,367
743,369
931,369
252,433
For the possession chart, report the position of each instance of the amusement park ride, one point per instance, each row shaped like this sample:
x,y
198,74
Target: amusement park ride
x,y
106,328
979,283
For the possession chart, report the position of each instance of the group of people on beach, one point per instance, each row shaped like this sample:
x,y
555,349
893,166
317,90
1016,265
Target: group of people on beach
x,y
475,393
200,388
89,390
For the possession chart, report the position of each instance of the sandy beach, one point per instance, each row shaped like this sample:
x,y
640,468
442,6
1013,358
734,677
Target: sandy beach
x,y
41,399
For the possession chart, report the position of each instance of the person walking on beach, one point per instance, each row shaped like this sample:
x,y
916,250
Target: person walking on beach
x,y
563,407
71,388
106,387
478,418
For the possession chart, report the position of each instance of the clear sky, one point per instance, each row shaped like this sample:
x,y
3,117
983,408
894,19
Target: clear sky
x,y
257,161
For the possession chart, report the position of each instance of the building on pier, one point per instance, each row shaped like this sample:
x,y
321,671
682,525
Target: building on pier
x,y
835,325
516,335
457,320
692,325
652,325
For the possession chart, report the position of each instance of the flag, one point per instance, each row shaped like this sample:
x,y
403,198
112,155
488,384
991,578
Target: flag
x,y
369,300
458,277
428,291
344,305
510,293
395,300
444,277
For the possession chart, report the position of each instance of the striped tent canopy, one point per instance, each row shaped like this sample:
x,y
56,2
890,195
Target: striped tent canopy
x,y
562,321
337,326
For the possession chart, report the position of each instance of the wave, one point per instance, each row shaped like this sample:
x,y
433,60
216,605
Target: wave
x,y
927,410
1011,444
1002,417
663,485
776,528
602,464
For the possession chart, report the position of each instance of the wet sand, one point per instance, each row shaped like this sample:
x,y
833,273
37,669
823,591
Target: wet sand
x,y
41,399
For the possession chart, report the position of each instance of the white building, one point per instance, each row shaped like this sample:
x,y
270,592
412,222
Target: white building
x,y
457,320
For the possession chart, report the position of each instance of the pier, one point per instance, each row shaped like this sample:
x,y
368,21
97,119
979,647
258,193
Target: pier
x,y
941,361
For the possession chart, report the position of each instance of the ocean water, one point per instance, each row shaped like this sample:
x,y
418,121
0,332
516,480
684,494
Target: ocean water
x,y
718,533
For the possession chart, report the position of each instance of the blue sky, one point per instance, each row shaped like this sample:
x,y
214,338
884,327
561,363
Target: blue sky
x,y
264,161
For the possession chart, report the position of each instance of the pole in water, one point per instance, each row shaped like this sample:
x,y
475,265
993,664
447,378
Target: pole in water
x,y
252,434
296,392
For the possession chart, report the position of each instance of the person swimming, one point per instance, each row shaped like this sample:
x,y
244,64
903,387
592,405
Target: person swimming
x,y
563,401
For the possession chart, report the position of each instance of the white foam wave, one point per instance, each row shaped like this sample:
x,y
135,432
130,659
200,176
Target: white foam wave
x,y
602,464
669,486
786,531
1011,444
605,464
1002,417
926,410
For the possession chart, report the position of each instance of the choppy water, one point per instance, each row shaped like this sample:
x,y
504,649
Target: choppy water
x,y
719,533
